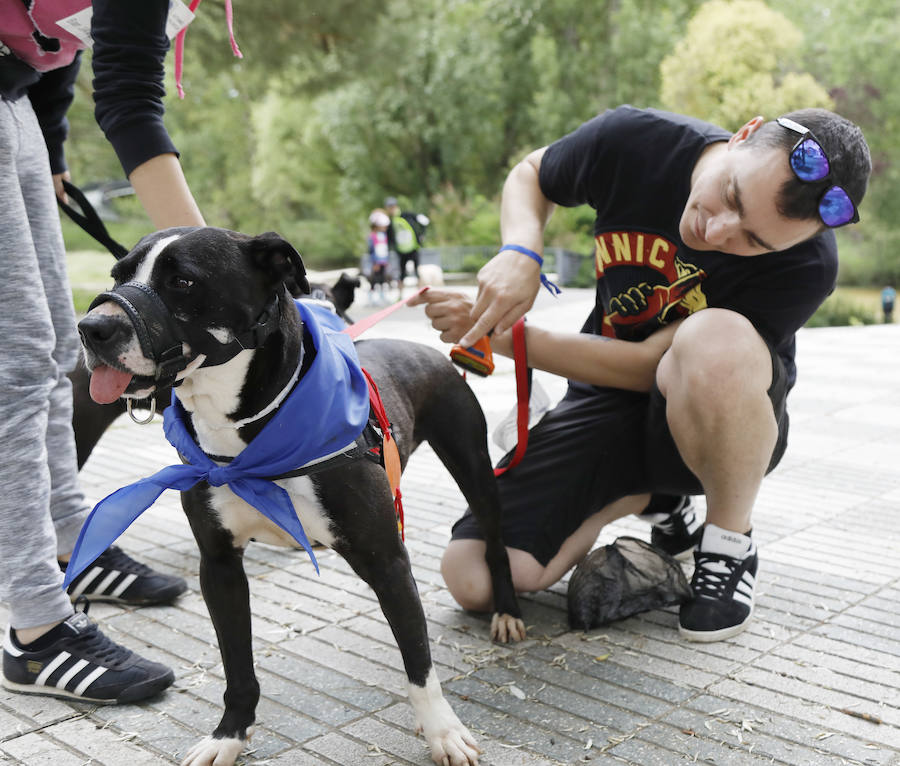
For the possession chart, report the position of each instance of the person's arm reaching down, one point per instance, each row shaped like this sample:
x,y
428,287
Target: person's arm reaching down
x,y
509,282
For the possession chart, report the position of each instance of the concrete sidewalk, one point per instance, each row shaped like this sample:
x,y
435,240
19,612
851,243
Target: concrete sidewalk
x,y
814,680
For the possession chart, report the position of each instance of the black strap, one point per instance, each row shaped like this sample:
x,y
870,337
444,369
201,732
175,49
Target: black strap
x,y
254,336
157,333
370,437
88,220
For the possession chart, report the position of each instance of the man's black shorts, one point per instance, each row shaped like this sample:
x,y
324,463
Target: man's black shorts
x,y
596,446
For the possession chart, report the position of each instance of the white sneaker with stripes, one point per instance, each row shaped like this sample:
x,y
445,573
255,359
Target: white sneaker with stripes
x,y
76,661
724,582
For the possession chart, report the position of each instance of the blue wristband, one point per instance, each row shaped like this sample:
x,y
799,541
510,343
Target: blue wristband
x,y
551,287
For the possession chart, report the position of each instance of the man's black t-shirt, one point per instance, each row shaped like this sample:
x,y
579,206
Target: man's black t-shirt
x,y
633,166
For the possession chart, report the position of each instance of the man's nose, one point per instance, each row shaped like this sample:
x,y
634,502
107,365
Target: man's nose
x,y
722,226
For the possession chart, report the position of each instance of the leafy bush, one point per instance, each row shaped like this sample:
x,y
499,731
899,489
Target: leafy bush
x,y
471,264
587,274
872,259
457,219
839,311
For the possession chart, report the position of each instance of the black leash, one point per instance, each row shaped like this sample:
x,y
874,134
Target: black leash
x,y
88,220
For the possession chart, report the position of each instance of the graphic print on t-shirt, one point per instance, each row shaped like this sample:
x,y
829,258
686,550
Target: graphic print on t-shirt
x,y
642,284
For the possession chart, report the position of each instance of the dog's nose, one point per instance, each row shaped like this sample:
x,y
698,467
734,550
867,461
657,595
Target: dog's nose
x,y
99,330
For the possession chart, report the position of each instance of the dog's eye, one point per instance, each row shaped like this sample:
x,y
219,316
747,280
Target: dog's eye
x,y
180,283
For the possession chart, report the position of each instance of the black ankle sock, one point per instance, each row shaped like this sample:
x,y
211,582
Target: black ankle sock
x,y
42,642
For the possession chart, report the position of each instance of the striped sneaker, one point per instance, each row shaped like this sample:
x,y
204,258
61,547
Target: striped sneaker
x,y
81,664
117,577
725,566
676,528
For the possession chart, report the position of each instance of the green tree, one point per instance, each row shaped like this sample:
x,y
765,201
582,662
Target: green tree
x,y
738,59
851,47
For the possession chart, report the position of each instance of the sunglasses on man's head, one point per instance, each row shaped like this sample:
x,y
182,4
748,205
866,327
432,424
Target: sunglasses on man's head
x,y
810,164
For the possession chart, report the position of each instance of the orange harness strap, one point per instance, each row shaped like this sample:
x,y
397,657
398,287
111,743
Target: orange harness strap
x,y
389,453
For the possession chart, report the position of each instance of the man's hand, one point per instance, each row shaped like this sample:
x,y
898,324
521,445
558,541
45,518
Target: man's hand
x,y
507,287
449,312
58,179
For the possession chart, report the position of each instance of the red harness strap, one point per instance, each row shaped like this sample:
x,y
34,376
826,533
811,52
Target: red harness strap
x,y
389,454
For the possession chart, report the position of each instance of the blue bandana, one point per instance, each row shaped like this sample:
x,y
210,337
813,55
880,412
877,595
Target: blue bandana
x,y
324,414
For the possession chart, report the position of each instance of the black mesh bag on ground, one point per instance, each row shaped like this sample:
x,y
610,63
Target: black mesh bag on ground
x,y
624,578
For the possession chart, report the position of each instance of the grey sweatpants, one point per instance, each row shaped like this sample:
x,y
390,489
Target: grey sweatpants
x,y
41,505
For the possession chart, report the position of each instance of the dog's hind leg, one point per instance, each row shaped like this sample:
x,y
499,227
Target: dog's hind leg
x,y
468,461
372,547
227,595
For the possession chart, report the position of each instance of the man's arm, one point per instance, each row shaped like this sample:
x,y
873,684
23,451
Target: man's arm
x,y
588,358
50,98
161,187
508,283
129,49
592,359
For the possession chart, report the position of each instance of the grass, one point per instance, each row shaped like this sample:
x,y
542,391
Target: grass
x,y
88,275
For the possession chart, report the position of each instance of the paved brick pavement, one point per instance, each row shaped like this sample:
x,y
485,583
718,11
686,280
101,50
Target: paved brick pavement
x,y
823,651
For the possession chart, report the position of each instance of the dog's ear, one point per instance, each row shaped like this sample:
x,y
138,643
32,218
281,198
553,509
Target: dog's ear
x,y
276,257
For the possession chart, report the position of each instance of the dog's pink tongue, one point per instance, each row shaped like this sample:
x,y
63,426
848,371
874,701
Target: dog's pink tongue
x,y
108,384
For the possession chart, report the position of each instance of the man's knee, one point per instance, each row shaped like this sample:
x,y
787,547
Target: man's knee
x,y
715,353
466,574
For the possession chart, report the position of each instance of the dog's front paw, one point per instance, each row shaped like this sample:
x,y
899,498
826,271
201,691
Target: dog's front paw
x,y
215,752
450,741
505,628
453,746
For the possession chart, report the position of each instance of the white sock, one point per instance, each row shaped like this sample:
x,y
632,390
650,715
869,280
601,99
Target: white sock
x,y
726,543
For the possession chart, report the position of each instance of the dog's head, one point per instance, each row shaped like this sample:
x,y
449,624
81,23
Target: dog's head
x,y
183,298
339,296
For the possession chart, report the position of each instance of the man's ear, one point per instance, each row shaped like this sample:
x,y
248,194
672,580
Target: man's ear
x,y
747,130
275,256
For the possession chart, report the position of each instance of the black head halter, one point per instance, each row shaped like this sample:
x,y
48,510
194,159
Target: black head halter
x,y
162,340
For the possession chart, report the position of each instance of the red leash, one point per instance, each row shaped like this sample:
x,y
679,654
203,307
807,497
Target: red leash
x,y
523,395
389,454
389,447
358,328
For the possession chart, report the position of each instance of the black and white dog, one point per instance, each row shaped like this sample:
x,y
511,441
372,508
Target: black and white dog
x,y
215,285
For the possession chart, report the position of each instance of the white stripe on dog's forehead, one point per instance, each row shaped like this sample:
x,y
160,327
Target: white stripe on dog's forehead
x,y
146,268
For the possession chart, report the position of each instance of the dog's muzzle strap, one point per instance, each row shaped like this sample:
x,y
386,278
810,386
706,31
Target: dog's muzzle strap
x,y
153,325
253,337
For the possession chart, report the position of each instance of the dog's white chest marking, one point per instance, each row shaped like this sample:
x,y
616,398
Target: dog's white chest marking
x,y
246,523
209,395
